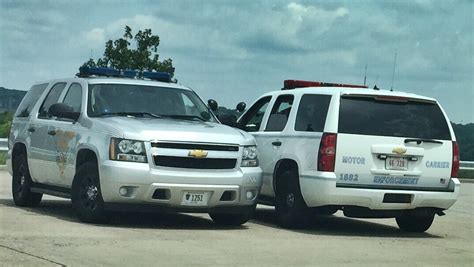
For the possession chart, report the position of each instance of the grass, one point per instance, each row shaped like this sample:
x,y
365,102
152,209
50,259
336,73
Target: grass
x,y
3,155
469,174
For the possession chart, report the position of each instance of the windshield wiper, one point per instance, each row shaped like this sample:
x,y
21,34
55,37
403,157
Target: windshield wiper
x,y
132,113
422,140
184,117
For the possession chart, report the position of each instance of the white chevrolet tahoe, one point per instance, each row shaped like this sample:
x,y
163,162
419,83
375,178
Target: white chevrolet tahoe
x,y
121,142
370,153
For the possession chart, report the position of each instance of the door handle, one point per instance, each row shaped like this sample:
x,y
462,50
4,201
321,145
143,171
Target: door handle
x,y
276,143
52,132
31,129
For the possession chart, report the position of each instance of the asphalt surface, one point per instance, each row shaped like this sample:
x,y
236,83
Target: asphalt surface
x,y
50,235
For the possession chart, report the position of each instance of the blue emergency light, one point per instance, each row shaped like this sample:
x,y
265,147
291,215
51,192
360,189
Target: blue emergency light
x,y
134,74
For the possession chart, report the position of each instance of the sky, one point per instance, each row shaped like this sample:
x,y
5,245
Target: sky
x,y
235,51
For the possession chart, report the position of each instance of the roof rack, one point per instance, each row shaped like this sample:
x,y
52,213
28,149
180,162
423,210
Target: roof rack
x,y
292,84
133,74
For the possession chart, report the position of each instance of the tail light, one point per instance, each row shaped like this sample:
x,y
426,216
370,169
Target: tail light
x,y
455,166
327,152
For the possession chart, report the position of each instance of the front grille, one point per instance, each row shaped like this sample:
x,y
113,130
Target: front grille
x,y
193,163
196,146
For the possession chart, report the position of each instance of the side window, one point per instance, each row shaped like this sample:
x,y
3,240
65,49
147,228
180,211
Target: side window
x,y
52,98
312,113
280,113
253,118
29,100
74,97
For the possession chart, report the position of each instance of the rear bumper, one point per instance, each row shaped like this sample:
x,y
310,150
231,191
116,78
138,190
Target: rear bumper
x,y
321,191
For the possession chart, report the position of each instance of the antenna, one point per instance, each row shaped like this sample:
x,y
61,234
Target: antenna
x,y
91,53
393,73
365,75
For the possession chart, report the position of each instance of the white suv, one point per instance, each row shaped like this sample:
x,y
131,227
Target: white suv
x,y
371,153
119,142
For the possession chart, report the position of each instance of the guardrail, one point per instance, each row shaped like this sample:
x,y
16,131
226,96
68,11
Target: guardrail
x,y
466,165
3,144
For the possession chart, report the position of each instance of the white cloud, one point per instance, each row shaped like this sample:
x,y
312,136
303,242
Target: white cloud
x,y
95,36
234,50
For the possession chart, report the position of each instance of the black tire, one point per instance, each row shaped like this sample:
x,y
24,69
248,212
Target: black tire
x,y
21,184
291,210
231,219
326,210
415,222
86,196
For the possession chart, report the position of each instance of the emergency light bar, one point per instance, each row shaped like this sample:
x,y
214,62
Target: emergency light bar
x,y
134,74
292,84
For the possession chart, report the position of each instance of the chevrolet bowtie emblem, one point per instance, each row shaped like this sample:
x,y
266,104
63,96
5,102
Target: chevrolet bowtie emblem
x,y
198,153
399,150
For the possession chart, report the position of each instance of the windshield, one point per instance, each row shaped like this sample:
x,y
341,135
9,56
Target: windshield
x,y
142,100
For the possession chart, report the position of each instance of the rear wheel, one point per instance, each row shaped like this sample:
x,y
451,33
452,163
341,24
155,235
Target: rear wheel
x,y
86,194
231,219
21,184
415,222
291,210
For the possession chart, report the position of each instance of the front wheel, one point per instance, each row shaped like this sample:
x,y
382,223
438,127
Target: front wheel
x,y
86,195
231,219
415,222
21,184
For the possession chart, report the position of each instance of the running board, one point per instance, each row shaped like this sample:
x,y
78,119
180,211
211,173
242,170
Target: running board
x,y
53,190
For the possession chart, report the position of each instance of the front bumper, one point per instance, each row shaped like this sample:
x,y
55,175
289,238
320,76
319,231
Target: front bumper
x,y
322,190
165,188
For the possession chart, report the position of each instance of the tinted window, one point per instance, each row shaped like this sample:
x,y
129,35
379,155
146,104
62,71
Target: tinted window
x,y
312,113
30,99
74,97
280,113
414,119
52,98
253,118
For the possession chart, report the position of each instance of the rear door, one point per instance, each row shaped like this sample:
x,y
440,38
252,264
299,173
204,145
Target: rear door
x,y
392,142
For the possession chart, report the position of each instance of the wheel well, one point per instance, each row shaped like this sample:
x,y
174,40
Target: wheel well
x,y
18,148
85,155
282,166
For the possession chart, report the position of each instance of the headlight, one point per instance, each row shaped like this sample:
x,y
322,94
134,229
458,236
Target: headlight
x,y
249,157
127,150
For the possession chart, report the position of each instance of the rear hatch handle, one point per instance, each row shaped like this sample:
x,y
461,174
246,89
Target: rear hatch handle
x,y
421,140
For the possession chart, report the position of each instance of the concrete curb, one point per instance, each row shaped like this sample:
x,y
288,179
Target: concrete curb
x,y
3,167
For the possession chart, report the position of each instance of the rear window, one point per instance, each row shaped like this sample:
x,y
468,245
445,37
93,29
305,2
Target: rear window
x,y
416,119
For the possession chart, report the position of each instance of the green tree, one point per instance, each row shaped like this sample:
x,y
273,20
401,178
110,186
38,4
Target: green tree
x,y
5,124
143,55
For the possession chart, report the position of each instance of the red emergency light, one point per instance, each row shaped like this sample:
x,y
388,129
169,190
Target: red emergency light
x,y
292,84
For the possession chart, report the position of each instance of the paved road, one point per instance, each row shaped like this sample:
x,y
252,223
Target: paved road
x,y
50,235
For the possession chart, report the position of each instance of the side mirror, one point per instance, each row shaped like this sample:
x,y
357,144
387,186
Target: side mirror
x,y
228,119
212,104
62,110
241,106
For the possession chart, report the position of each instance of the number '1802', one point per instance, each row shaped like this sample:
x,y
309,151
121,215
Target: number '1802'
x,y
349,177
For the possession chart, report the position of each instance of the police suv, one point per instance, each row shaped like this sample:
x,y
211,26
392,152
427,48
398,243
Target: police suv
x,y
370,153
111,141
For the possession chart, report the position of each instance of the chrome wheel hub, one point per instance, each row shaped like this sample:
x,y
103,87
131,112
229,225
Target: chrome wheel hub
x,y
91,192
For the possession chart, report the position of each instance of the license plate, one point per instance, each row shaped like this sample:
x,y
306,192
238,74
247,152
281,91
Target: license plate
x,y
395,163
195,198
